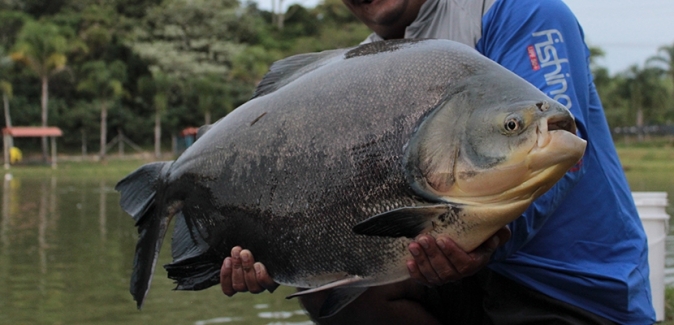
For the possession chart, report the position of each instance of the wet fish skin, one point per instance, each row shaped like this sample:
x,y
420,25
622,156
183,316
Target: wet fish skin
x,y
343,140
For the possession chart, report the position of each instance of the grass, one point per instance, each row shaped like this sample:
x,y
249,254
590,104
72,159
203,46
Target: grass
x,y
669,307
646,158
72,168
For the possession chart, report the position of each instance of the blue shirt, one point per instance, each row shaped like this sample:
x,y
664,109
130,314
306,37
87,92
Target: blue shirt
x,y
582,242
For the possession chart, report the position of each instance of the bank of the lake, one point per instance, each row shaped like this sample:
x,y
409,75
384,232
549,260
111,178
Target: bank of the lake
x,y
77,167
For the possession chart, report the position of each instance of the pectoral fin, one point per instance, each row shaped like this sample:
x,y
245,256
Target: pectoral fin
x,y
408,221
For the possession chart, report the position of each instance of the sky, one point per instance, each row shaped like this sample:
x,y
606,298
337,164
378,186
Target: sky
x,y
629,31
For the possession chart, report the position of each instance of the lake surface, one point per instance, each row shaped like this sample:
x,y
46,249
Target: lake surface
x,y
66,256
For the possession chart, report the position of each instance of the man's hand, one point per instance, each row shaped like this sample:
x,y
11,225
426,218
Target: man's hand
x,y
240,273
438,261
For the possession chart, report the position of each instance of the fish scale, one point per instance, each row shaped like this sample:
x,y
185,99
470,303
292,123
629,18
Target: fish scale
x,y
340,159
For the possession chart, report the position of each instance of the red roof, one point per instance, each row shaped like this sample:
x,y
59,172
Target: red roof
x,y
33,131
189,131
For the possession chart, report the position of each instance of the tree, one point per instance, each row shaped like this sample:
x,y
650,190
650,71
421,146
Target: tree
x,y
646,94
11,23
190,38
209,92
103,81
41,47
666,59
5,85
157,87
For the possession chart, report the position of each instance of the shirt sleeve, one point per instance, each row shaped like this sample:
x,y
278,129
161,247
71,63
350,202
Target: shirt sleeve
x,y
541,41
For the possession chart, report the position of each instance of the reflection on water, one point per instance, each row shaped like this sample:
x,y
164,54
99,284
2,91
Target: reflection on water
x,y
66,256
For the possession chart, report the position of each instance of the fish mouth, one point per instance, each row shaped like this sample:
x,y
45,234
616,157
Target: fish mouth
x,y
557,143
563,122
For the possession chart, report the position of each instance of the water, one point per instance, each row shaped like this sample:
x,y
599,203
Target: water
x,y
66,256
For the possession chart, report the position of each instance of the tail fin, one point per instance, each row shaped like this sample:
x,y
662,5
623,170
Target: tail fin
x,y
138,198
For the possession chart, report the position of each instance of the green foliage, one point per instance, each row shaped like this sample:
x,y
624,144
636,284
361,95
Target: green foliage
x,y
5,62
300,22
334,12
644,90
208,92
134,8
188,38
6,89
159,87
665,57
669,306
638,95
38,8
103,80
11,23
42,47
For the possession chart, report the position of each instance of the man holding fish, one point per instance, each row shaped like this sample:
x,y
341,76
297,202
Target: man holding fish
x,y
578,255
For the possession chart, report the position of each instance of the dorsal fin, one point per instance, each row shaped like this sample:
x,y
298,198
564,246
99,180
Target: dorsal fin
x,y
203,130
284,71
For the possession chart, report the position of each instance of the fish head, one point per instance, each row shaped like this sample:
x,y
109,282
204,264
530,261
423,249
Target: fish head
x,y
515,151
476,150
493,146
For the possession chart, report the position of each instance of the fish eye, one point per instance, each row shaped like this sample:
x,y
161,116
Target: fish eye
x,y
512,124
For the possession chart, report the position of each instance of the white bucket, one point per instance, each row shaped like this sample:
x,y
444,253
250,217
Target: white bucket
x,y
651,208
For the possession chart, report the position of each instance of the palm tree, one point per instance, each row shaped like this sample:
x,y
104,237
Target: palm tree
x,y
210,92
665,57
41,47
104,82
645,91
158,87
5,86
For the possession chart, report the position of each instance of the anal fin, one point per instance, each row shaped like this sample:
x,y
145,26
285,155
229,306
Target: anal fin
x,y
331,285
339,295
407,222
339,298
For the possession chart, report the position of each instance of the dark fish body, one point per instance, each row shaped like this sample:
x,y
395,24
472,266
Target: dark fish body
x,y
341,157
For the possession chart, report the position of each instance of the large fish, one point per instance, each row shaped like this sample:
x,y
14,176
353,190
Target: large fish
x,y
341,157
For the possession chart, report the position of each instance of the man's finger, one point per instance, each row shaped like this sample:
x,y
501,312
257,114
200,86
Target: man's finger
x,y
249,275
263,277
416,274
443,268
424,264
467,263
238,281
226,277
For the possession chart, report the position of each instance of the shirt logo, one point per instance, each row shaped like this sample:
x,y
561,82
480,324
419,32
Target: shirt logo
x,y
533,58
544,56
